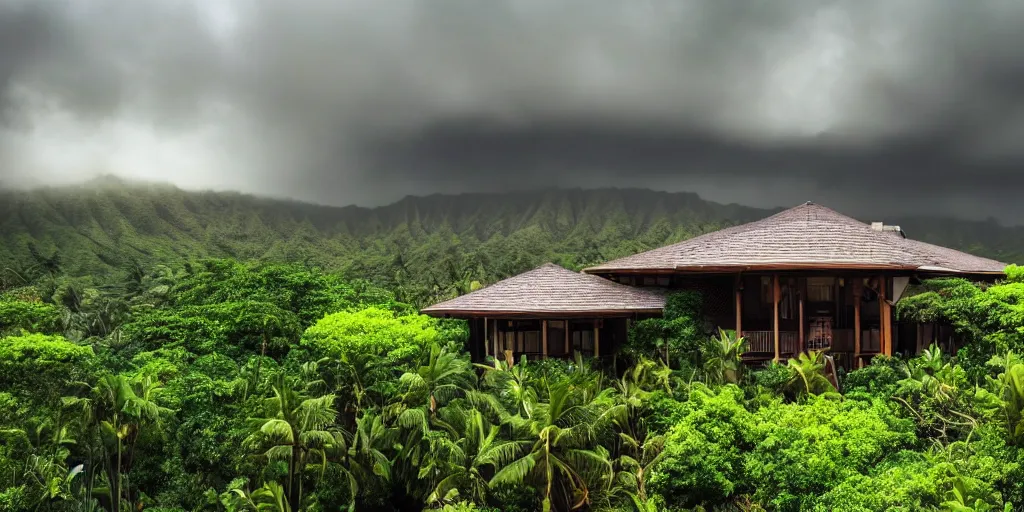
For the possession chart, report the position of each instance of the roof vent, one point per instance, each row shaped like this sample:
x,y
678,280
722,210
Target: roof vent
x,y
880,226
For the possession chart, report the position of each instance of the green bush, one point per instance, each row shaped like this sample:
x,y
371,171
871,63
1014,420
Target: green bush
x,y
702,461
32,316
803,450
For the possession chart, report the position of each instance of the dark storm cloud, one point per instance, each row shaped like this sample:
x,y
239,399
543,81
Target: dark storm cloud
x,y
918,104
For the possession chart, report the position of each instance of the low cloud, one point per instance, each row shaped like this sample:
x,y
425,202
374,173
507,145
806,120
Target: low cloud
x,y
901,105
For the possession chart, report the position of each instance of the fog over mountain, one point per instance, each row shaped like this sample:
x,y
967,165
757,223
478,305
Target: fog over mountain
x,y
887,106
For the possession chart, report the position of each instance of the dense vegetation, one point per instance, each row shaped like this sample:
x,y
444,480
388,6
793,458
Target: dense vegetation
x,y
228,386
421,248
135,376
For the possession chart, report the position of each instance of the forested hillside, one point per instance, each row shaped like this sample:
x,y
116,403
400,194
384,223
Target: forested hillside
x,y
423,247
135,374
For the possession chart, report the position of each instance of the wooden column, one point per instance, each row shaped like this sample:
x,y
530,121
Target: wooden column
x,y
568,354
739,305
857,293
597,340
884,334
494,340
487,338
775,314
544,339
803,341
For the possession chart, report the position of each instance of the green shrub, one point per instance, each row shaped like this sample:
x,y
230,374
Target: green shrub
x,y
32,316
702,460
803,450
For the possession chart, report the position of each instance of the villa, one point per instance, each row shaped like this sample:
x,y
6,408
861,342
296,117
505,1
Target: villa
x,y
805,278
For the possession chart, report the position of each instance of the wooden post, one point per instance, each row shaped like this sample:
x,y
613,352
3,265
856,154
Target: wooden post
x,y
775,313
544,338
739,305
494,341
803,341
884,338
597,340
568,354
857,293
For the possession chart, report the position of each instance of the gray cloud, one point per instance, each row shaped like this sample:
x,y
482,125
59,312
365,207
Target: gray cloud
x,y
893,104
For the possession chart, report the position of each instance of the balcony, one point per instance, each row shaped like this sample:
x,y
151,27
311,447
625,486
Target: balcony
x,y
761,344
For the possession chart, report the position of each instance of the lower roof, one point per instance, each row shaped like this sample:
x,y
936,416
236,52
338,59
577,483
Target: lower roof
x,y
551,291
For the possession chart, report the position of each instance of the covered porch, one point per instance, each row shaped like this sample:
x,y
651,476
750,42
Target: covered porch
x,y
550,312
511,339
783,314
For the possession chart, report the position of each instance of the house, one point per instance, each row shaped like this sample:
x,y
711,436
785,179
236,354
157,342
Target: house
x,y
805,278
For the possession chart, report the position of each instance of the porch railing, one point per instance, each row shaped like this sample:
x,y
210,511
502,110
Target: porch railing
x,y
763,342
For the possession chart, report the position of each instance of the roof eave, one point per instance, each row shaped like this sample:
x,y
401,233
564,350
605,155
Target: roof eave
x,y
594,313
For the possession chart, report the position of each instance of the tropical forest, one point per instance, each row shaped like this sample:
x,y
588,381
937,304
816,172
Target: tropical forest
x,y
165,350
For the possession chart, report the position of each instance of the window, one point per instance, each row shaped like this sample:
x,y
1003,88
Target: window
x,y
787,302
583,342
582,338
531,342
520,337
766,290
556,338
664,281
820,289
649,281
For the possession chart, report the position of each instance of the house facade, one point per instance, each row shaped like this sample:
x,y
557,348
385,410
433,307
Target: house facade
x,y
805,278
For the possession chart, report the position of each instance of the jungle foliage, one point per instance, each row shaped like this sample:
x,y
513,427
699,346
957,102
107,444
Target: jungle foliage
x,y
234,386
134,376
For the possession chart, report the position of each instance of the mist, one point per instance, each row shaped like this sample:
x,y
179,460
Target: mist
x,y
880,106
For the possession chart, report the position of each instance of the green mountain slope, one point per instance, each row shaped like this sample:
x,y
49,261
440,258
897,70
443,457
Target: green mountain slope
x,y
436,245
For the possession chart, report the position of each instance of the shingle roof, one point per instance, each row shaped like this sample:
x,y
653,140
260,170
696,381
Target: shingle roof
x,y
551,290
805,237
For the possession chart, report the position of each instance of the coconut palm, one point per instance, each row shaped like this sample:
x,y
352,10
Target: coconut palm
x,y
444,376
512,384
298,432
560,461
464,462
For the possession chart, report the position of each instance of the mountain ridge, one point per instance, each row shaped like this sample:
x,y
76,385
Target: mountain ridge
x,y
101,227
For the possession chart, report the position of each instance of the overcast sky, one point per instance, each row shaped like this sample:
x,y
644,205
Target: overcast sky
x,y
864,105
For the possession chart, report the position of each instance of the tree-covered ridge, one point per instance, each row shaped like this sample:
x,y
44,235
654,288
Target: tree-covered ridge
x,y
423,248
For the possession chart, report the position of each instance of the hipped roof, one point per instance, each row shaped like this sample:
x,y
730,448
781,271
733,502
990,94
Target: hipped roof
x,y
555,292
808,237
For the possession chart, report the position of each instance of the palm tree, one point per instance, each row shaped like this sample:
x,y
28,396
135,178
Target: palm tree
x,y
116,410
560,461
512,383
638,451
299,428
635,469
444,376
465,460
